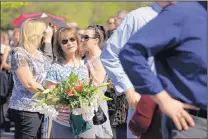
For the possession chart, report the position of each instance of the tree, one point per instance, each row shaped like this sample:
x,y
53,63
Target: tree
x,y
84,13
9,11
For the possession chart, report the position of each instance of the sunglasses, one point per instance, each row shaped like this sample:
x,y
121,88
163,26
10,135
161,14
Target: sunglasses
x,y
65,41
110,23
86,37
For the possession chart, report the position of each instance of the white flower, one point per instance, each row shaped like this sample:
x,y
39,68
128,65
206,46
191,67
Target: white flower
x,y
48,111
88,114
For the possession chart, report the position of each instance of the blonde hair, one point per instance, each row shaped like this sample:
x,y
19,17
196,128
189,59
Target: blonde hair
x,y
57,47
31,33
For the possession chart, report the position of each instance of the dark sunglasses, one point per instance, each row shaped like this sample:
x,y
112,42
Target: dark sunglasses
x,y
86,37
65,41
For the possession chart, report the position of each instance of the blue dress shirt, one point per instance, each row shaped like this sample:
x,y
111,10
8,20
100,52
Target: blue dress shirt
x,y
129,26
177,38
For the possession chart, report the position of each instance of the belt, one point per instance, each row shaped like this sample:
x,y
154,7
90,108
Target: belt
x,y
199,113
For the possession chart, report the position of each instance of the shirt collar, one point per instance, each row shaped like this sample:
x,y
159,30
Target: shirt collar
x,y
156,7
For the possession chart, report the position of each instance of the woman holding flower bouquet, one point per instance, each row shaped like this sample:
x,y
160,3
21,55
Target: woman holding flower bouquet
x,y
69,61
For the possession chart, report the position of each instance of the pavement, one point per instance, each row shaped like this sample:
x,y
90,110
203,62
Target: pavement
x,y
4,135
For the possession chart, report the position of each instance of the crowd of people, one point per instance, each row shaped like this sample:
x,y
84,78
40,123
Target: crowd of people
x,y
154,58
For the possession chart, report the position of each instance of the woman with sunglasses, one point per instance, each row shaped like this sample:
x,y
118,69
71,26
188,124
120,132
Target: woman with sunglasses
x,y
92,41
68,60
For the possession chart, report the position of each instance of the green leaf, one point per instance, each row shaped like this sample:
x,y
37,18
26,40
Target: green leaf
x,y
80,100
107,98
46,91
35,95
41,102
40,89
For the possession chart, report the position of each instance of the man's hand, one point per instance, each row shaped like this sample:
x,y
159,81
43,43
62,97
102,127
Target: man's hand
x,y
175,110
132,97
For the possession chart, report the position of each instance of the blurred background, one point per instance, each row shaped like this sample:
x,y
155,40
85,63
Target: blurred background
x,y
84,13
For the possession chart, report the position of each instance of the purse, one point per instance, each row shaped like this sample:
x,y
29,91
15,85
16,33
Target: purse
x,y
99,117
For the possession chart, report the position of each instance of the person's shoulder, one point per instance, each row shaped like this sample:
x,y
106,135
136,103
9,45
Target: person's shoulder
x,y
185,9
141,11
20,52
55,66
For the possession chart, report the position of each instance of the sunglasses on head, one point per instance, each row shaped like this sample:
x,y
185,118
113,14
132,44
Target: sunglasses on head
x,y
65,41
86,37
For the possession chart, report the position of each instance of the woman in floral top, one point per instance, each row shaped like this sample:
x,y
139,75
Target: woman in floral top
x,y
28,66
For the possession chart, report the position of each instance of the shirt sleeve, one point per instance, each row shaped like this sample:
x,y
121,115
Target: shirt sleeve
x,y
19,59
52,75
109,56
46,48
161,33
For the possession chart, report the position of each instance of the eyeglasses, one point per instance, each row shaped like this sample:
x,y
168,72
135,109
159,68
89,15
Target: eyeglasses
x,y
65,41
86,37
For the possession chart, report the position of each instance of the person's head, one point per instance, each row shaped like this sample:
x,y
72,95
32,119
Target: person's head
x,y
80,32
93,38
119,16
111,23
73,25
162,4
66,43
4,38
31,33
16,35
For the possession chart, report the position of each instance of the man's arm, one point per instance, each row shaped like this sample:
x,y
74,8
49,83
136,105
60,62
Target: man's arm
x,y
109,56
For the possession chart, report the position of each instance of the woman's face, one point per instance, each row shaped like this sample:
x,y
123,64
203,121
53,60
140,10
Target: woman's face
x,y
16,36
68,42
88,40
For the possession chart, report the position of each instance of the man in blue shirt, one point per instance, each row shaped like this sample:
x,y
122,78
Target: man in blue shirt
x,y
135,20
177,40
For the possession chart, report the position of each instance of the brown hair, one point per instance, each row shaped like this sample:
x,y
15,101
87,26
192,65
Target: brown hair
x,y
100,33
16,30
57,47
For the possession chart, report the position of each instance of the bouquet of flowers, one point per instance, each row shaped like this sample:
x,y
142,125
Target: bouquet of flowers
x,y
82,98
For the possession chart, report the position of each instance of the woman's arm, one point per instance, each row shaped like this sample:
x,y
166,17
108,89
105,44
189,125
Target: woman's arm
x,y
27,80
99,70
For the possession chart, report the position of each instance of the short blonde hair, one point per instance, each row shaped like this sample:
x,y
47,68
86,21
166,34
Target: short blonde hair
x,y
31,33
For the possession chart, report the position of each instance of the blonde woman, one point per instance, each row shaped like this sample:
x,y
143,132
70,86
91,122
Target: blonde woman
x,y
28,66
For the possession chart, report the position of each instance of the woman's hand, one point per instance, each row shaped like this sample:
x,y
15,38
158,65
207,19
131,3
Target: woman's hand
x,y
62,107
48,35
4,66
51,100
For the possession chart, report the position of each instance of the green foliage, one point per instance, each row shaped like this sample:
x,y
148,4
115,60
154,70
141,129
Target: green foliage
x,y
84,13
73,92
9,11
